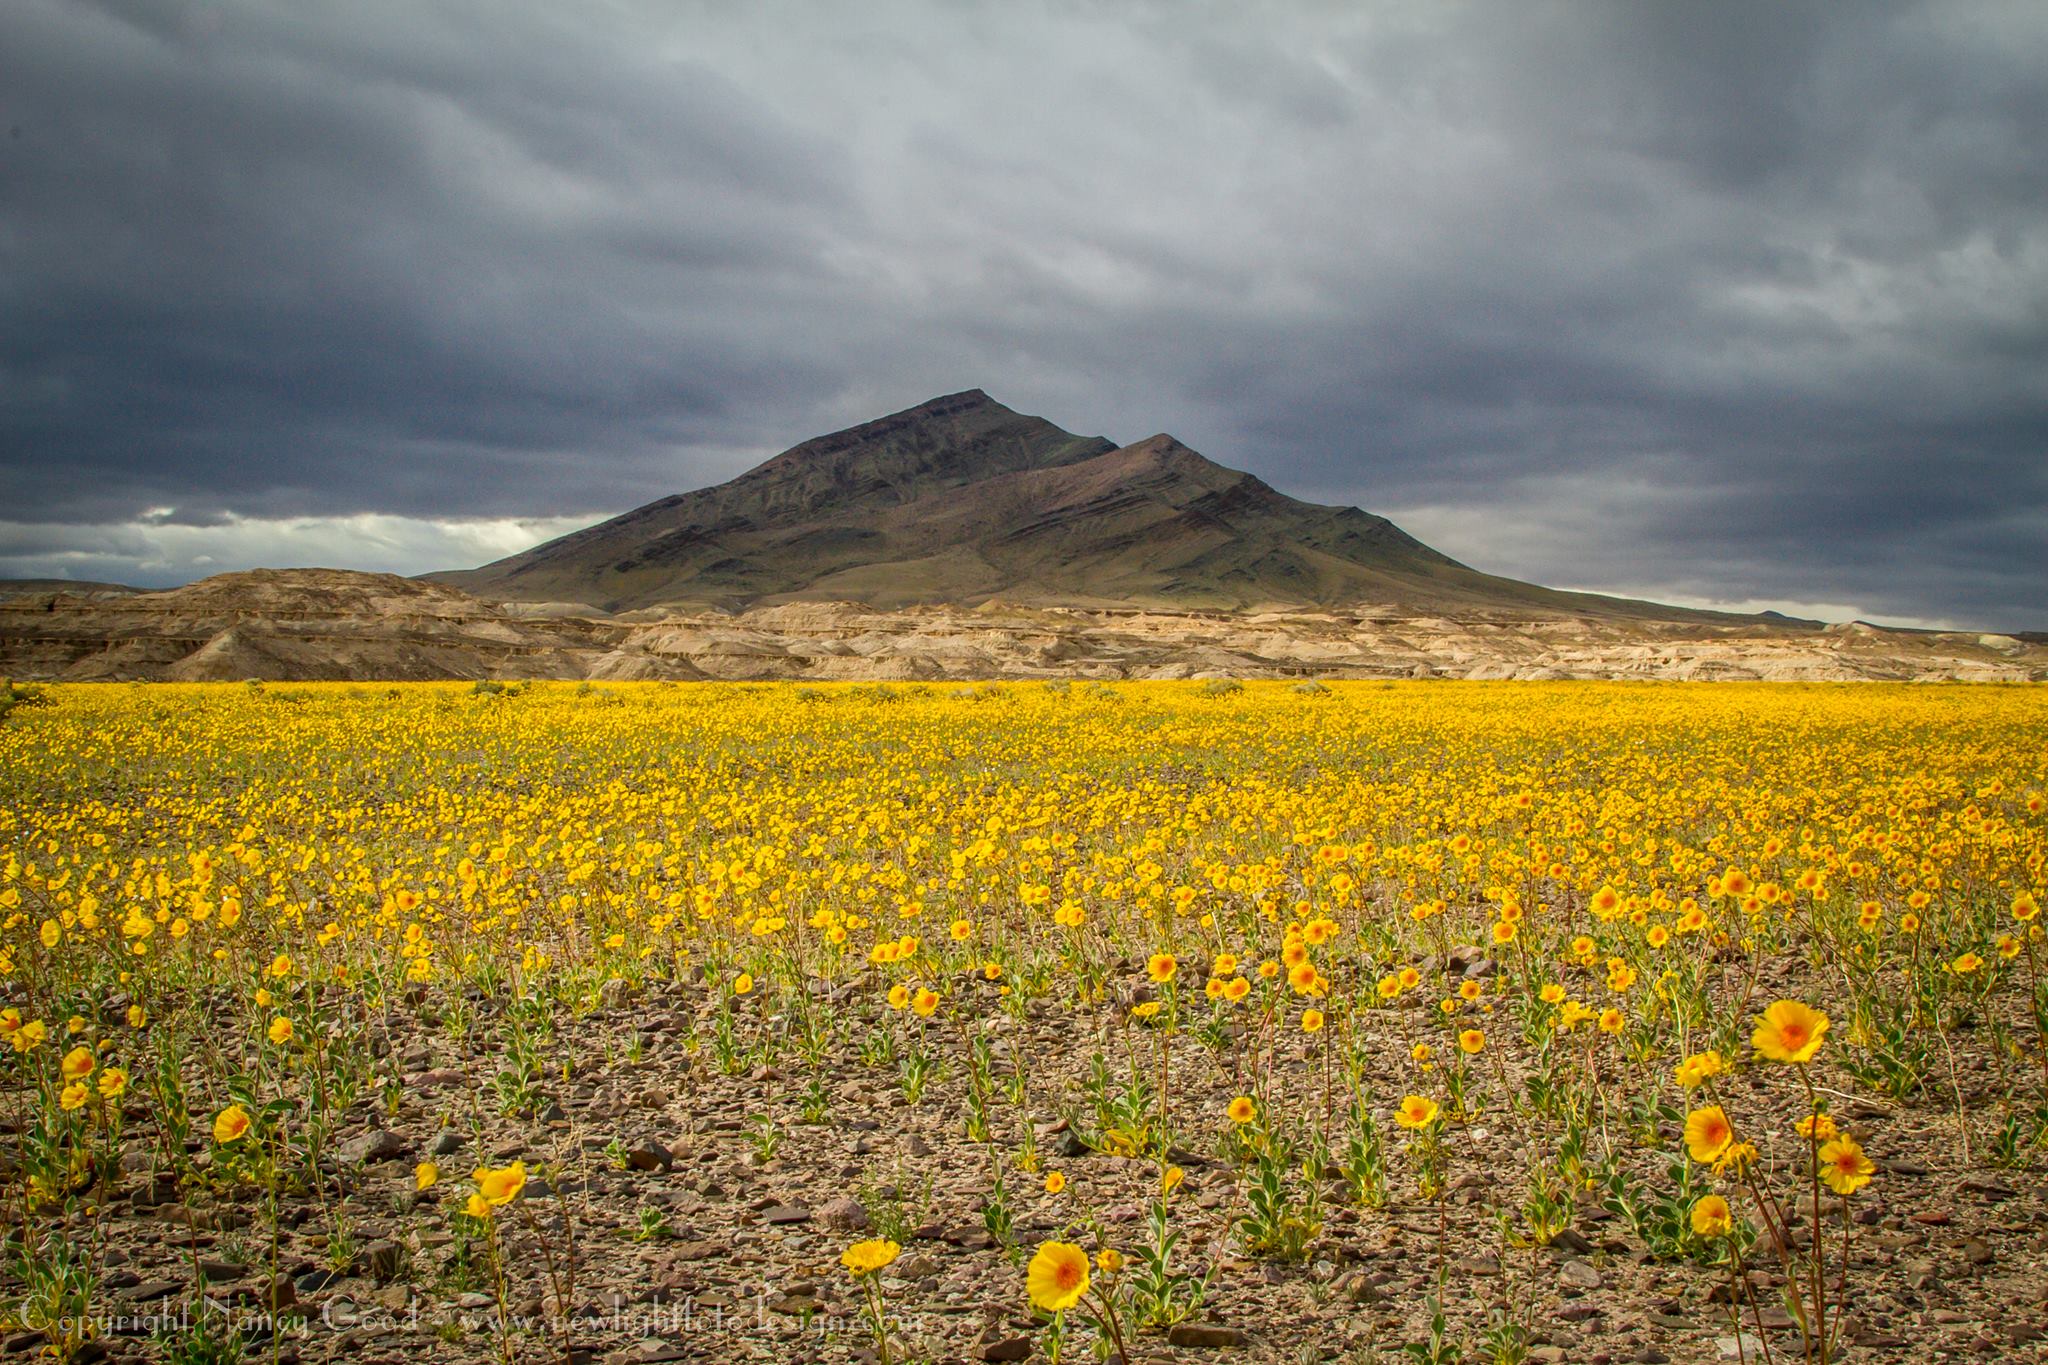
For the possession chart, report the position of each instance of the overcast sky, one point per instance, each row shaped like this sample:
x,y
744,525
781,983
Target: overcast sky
x,y
1715,303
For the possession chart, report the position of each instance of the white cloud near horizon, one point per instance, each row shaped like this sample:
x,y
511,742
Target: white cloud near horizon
x,y
157,551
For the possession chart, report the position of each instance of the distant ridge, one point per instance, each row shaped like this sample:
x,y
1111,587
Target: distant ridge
x,y
311,624
961,501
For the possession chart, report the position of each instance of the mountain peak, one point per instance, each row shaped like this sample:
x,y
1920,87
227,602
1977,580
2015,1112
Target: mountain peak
x,y
1165,448
969,404
955,402
955,438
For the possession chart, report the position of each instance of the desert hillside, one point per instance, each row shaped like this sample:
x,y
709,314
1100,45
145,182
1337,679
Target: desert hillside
x,y
961,501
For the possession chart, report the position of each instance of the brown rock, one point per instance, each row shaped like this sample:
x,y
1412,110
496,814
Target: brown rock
x,y
649,1155
844,1214
1580,1275
376,1145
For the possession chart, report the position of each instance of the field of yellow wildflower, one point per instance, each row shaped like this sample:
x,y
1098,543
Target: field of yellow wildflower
x,y
1479,1022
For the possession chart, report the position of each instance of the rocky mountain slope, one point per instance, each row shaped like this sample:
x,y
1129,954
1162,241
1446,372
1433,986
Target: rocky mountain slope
x,y
960,501
323,623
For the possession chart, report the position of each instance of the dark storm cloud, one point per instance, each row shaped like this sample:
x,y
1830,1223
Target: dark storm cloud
x,y
261,264
1739,303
